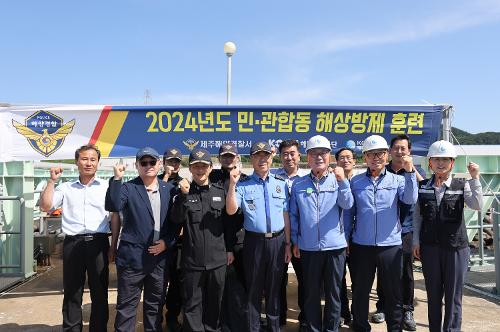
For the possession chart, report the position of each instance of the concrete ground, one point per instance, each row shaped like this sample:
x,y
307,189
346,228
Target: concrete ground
x,y
36,306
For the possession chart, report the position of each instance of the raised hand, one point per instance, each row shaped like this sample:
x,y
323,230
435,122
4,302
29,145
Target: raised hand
x,y
407,163
184,186
168,172
119,171
473,170
55,173
339,173
234,175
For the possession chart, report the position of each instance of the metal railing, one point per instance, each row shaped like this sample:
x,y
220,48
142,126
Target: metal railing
x,y
20,232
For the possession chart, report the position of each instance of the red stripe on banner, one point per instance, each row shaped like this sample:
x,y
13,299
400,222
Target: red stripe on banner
x,y
100,124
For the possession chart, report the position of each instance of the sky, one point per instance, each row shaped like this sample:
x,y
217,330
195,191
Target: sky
x,y
288,53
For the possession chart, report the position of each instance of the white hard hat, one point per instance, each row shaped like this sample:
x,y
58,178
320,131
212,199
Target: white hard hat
x,y
318,141
375,142
442,149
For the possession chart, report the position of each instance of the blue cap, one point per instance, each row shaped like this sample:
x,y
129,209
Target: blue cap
x,y
147,151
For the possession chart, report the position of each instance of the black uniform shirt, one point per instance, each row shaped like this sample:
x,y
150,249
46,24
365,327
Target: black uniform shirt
x,y
202,213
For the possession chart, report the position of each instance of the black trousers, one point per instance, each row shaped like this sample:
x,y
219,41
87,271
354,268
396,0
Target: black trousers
x,y
345,311
263,259
388,263
322,268
173,299
297,267
81,258
234,316
407,281
202,296
130,285
444,273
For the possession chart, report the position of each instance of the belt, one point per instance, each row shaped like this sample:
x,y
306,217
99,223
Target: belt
x,y
265,235
88,236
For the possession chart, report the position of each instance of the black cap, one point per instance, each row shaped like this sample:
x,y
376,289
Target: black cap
x,y
228,148
147,151
261,146
200,156
172,153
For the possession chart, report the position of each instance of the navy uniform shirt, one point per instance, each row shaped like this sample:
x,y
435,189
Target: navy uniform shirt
x,y
262,203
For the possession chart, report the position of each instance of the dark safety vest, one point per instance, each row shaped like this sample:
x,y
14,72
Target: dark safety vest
x,y
444,224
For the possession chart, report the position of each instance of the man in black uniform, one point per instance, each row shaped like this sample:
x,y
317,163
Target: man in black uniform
x,y
234,301
200,207
172,164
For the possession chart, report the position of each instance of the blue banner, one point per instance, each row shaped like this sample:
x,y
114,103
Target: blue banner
x,y
207,127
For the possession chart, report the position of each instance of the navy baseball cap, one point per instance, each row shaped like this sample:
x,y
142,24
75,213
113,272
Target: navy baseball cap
x,y
147,151
172,153
228,148
261,146
200,156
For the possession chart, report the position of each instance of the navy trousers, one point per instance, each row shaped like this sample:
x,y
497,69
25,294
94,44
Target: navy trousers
x,y
444,272
130,285
322,268
388,262
264,262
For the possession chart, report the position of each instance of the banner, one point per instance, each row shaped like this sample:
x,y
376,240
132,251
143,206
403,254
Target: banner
x,y
55,132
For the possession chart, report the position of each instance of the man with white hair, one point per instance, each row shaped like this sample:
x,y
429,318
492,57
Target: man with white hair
x,y
317,234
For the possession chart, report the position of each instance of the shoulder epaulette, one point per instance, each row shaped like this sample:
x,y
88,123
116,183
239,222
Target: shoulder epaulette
x,y
244,179
279,177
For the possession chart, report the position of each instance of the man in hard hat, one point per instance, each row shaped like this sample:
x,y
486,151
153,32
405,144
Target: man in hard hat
x,y
263,199
440,237
290,157
376,237
400,146
317,234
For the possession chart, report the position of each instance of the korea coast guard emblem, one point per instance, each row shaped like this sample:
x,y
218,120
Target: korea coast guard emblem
x,y
44,131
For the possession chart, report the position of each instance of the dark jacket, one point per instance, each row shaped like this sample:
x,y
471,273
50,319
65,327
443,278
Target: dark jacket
x,y
137,233
237,233
406,210
204,219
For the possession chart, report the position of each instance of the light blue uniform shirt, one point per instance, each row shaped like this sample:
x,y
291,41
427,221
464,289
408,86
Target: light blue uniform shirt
x,y
82,206
315,210
289,179
251,198
376,207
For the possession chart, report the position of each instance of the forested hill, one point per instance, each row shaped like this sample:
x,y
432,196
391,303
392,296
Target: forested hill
x,y
487,138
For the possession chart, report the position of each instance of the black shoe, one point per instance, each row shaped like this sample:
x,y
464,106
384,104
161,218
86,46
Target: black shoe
x,y
378,317
173,325
347,320
303,327
408,322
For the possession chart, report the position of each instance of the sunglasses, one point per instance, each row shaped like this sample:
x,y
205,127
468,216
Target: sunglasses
x,y
145,163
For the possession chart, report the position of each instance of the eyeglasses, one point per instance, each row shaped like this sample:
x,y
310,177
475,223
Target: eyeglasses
x,y
345,158
321,153
441,159
378,154
145,163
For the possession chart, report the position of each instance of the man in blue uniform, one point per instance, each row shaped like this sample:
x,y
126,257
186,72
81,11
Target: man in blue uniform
x,y
318,234
263,199
290,158
376,237
401,146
